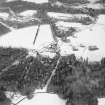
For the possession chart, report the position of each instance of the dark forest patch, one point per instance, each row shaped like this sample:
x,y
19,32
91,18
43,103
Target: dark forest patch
x,y
3,29
77,81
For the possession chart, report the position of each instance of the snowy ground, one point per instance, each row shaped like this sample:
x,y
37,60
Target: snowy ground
x,y
28,13
101,101
24,37
94,35
89,35
44,99
37,1
34,1
4,15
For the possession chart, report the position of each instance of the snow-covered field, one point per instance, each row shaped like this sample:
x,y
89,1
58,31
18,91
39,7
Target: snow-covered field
x,y
88,36
4,15
50,99
92,35
28,13
37,1
24,37
44,99
34,1
101,101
